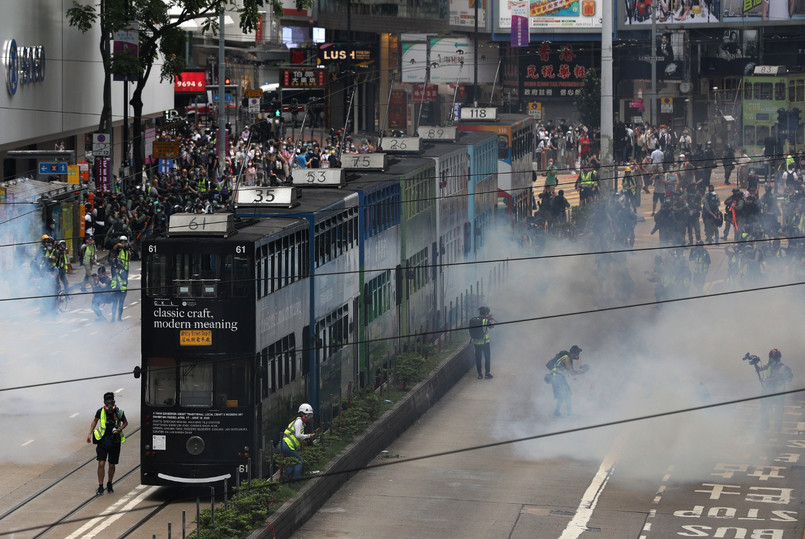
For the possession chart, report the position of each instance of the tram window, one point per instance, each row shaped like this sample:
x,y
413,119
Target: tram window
x,y
161,381
779,91
749,135
748,92
796,90
242,279
761,133
157,275
503,147
195,384
232,383
763,90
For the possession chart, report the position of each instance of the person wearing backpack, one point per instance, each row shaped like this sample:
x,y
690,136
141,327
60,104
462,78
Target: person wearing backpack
x,y
479,332
558,366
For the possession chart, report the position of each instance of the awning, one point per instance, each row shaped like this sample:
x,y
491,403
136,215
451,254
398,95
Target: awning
x,y
27,190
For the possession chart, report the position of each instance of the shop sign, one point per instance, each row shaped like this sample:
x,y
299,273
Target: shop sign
x,y
302,78
24,65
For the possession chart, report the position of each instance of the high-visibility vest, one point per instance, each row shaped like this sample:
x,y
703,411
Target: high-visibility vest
x,y
587,181
123,257
100,428
289,436
89,254
559,362
120,283
202,185
485,339
629,184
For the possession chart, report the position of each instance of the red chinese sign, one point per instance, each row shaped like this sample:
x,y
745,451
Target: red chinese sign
x,y
552,70
302,78
431,93
192,82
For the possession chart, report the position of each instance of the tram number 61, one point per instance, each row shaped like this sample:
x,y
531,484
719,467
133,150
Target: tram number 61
x,y
243,468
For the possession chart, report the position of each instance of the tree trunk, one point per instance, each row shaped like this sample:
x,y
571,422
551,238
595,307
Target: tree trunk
x,y
138,142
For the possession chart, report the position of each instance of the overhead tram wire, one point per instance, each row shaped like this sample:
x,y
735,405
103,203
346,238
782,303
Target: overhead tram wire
x,y
437,332
467,449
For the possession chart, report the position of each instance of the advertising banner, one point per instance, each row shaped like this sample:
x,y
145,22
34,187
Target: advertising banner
x,y
127,41
452,59
734,56
672,63
103,174
414,62
566,14
462,13
771,12
520,35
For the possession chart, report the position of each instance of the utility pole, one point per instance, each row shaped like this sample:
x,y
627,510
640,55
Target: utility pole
x,y
607,127
653,97
475,61
221,92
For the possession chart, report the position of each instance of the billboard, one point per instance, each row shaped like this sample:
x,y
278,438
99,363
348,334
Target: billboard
x,y
542,14
462,13
672,60
771,12
452,61
735,55
414,62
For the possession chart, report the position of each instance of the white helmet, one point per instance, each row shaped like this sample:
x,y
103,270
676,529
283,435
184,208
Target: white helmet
x,y
305,409
123,238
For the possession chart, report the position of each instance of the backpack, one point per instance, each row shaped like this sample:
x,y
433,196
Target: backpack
x,y
476,328
552,362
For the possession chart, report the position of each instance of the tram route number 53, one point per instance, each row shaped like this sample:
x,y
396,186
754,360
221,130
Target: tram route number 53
x,y
321,176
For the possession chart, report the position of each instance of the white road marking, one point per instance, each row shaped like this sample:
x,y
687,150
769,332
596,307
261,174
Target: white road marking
x,y
97,525
118,390
74,415
584,512
26,443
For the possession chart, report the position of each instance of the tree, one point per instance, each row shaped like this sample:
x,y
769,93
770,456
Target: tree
x,y
589,100
160,33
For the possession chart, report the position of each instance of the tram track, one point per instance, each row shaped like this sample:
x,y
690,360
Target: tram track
x,y
54,525
58,481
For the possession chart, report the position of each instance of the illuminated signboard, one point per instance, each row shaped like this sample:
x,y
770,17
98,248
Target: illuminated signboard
x,y
190,82
345,53
302,78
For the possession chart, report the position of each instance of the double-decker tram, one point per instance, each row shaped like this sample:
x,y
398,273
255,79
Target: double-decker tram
x,y
515,154
203,317
772,101
299,293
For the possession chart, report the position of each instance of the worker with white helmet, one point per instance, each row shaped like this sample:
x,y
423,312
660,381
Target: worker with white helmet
x,y
292,438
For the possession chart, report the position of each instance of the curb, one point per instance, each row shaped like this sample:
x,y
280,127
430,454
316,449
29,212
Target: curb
x,y
294,513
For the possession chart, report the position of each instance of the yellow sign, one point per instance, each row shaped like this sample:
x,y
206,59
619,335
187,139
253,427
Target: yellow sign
x,y
166,149
254,93
195,337
534,105
73,174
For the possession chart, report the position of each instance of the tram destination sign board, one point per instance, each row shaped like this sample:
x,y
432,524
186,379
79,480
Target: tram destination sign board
x,y
363,161
399,144
284,197
315,177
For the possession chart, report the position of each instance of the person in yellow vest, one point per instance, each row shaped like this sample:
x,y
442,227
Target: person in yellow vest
x,y
561,365
106,432
587,184
120,285
479,332
89,259
292,439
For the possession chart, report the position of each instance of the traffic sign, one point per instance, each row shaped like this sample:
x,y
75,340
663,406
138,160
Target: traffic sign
x,y
53,168
101,144
254,93
165,166
166,149
227,98
254,104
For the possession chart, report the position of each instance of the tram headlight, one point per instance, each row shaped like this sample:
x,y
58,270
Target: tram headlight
x,y
195,445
